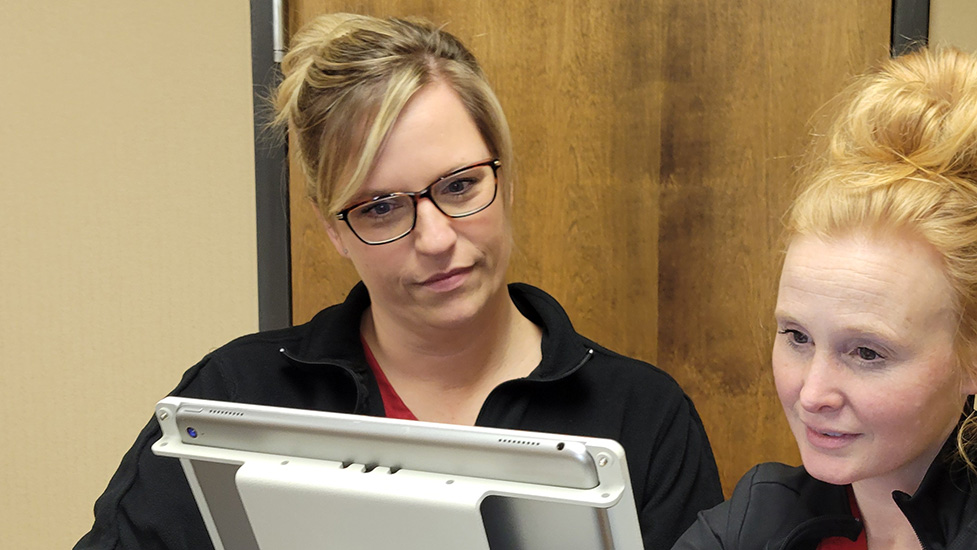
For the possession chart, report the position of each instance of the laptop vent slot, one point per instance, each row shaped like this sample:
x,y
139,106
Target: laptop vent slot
x,y
224,413
519,442
368,468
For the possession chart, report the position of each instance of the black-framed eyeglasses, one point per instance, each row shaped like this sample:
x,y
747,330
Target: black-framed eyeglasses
x,y
386,218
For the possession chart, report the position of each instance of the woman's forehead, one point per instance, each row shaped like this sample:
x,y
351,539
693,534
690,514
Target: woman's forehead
x,y
890,280
433,136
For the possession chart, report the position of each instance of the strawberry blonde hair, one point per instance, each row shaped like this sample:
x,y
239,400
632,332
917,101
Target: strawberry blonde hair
x,y
901,154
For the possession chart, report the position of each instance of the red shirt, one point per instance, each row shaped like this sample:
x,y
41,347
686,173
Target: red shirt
x,y
393,405
842,543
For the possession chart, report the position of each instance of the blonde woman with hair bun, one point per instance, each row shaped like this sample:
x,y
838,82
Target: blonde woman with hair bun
x,y
875,358
409,165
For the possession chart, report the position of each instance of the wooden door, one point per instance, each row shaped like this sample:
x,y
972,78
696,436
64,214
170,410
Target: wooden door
x,y
655,141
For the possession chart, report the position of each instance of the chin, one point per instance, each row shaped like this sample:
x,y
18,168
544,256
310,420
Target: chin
x,y
831,476
454,313
836,471
466,304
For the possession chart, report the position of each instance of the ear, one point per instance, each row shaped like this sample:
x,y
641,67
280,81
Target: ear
x,y
969,384
968,375
334,236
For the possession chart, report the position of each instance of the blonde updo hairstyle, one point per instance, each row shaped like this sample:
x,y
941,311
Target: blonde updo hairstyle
x,y
901,154
346,79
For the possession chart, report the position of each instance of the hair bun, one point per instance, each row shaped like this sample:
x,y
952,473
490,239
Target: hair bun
x,y
305,49
919,111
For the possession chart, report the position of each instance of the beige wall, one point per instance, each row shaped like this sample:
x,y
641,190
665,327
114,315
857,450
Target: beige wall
x,y
127,245
954,22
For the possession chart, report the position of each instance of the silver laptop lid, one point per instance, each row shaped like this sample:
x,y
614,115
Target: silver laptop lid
x,y
274,478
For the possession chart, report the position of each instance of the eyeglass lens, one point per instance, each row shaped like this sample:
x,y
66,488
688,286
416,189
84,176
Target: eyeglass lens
x,y
391,217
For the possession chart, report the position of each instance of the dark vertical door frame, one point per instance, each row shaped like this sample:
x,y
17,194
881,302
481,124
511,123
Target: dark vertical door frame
x,y
271,182
910,29
910,25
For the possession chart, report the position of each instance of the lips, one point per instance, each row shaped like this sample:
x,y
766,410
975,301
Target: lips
x,y
829,439
447,280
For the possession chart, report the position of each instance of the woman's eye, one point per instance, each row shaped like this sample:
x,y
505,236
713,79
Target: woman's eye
x,y
795,337
378,209
458,186
866,354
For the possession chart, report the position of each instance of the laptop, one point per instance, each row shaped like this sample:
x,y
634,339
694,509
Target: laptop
x,y
273,478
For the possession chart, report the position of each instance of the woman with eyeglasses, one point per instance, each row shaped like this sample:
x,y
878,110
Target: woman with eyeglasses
x,y
875,356
408,160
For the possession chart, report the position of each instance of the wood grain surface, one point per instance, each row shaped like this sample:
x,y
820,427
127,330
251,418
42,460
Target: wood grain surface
x,y
655,143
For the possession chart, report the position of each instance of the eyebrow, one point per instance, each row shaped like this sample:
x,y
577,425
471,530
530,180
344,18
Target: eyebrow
x,y
363,197
384,192
782,317
871,331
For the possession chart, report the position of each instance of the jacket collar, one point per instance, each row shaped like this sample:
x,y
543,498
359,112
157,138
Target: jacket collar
x,y
563,350
823,511
333,336
944,502
939,510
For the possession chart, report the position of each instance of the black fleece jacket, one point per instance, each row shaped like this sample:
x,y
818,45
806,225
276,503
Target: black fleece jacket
x,y
579,388
779,507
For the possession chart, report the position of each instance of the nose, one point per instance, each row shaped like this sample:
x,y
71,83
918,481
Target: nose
x,y
434,232
821,385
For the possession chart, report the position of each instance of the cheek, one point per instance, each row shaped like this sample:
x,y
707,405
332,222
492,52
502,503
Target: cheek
x,y
922,400
952,395
378,264
785,374
492,233
506,243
